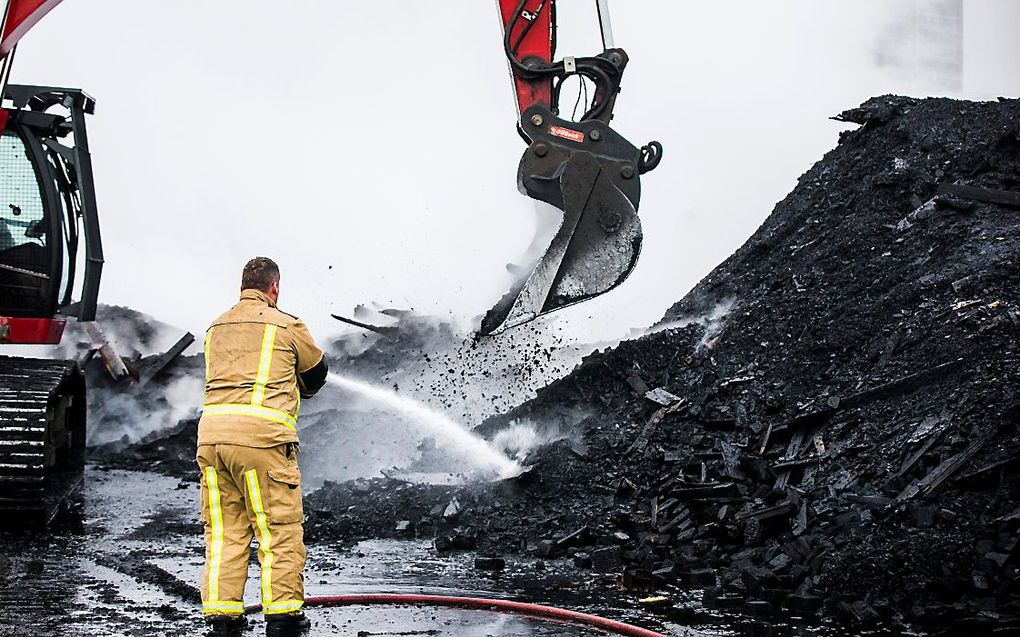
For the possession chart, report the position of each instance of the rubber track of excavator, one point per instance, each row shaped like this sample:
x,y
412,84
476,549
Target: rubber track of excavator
x,y
42,438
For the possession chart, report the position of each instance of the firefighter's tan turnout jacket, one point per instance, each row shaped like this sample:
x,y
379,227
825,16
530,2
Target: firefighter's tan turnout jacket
x,y
256,357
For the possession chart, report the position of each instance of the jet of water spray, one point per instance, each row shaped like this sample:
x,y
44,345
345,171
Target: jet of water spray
x,y
445,430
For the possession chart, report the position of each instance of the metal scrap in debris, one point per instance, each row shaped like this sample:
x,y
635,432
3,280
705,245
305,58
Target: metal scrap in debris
x,y
736,381
962,305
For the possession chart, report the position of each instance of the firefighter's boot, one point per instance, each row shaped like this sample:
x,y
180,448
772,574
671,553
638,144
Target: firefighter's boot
x,y
288,625
225,626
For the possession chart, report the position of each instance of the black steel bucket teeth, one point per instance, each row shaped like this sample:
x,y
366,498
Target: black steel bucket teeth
x,y
591,173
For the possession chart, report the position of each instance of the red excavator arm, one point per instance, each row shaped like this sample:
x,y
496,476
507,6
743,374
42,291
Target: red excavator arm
x,y
18,17
22,15
532,39
584,168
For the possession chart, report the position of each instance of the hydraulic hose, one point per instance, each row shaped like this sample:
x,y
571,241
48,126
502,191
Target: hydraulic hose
x,y
478,603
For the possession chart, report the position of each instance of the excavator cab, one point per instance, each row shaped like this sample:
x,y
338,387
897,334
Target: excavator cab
x,y
47,215
583,167
47,211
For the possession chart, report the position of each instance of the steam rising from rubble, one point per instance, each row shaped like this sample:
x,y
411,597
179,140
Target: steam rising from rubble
x,y
134,413
712,320
132,333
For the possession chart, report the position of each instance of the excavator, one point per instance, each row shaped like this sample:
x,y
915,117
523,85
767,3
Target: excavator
x,y
51,255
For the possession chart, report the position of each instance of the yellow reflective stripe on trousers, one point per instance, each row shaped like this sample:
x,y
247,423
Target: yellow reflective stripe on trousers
x,y
279,608
265,537
229,608
265,361
266,413
216,545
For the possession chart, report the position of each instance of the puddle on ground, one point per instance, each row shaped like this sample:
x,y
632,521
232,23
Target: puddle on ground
x,y
125,561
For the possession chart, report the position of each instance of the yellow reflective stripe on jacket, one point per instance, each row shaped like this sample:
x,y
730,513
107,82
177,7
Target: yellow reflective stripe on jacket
x,y
205,352
265,413
229,608
265,537
278,608
216,522
258,394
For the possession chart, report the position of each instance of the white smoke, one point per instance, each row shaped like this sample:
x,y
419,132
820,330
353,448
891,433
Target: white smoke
x,y
713,320
129,415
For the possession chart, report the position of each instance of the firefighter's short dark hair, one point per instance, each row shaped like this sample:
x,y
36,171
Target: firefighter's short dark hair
x,y
259,274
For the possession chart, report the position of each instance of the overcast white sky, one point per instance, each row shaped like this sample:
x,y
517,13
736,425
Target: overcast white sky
x,y
370,147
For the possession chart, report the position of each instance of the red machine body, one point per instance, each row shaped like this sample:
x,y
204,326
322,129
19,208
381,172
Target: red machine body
x,y
34,331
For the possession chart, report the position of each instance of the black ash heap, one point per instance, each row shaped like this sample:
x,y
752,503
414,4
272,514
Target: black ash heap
x,y
843,440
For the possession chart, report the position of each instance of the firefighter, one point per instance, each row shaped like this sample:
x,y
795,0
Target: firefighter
x,y
260,363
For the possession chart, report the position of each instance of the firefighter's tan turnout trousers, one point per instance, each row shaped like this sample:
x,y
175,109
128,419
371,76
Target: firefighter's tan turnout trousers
x,y
251,492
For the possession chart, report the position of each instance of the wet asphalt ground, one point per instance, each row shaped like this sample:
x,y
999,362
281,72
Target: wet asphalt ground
x,y
126,558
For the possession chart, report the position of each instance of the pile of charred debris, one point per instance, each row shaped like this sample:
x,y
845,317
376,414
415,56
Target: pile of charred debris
x,y
825,427
841,442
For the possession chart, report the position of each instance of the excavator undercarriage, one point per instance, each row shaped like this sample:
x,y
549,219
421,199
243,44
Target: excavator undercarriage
x,y
42,437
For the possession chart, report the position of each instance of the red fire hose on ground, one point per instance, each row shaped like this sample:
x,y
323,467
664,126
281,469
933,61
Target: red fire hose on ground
x,y
477,603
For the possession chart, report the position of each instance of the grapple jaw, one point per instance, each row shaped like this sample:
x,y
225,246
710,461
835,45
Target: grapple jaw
x,y
591,173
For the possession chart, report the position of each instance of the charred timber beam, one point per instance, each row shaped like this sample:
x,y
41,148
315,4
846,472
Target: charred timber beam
x,y
982,472
882,392
946,469
793,464
912,460
378,329
111,359
902,385
641,442
986,195
167,357
708,492
784,509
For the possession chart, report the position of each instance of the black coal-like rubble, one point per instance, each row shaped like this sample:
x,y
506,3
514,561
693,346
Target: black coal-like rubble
x,y
843,440
825,428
